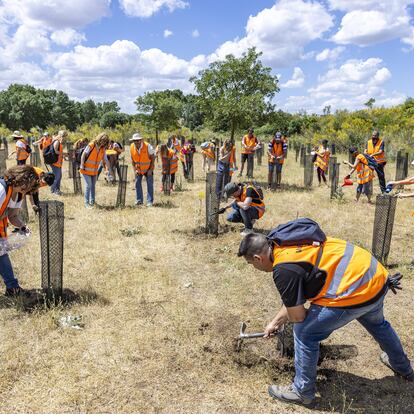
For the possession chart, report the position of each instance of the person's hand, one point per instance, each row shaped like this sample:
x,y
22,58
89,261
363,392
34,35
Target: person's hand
x,y
82,167
271,328
36,209
345,162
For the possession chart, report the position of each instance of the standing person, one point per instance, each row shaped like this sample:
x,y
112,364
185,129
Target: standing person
x,y
342,282
168,156
178,148
376,149
17,182
247,207
143,156
45,179
208,151
322,161
365,174
249,144
188,149
57,166
92,156
223,166
276,154
22,150
44,141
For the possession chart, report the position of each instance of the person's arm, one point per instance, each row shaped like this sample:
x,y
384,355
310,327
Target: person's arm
x,y
13,216
151,167
11,154
381,150
400,195
245,205
244,143
83,158
407,181
276,323
352,166
56,146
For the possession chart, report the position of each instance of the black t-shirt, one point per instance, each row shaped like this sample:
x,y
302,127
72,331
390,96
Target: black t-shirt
x,y
251,192
295,283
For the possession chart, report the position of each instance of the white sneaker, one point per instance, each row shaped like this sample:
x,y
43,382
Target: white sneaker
x,y
149,204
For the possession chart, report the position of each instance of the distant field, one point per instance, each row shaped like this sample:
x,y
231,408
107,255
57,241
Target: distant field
x,y
162,307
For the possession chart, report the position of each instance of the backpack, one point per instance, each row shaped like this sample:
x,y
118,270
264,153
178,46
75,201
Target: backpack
x,y
79,152
28,149
257,188
49,155
299,232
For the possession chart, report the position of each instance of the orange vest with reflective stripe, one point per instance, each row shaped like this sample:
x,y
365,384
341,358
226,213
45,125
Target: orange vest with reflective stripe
x,y
22,154
93,160
250,143
39,172
209,152
277,151
259,206
232,160
141,159
60,159
353,275
3,207
371,149
173,163
322,161
364,173
45,142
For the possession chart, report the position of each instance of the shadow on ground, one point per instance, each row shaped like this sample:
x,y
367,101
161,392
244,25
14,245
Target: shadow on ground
x,y
38,299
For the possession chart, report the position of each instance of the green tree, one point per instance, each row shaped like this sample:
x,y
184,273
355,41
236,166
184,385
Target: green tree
x,y
238,90
112,119
160,110
370,103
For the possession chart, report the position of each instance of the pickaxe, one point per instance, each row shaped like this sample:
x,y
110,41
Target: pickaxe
x,y
244,335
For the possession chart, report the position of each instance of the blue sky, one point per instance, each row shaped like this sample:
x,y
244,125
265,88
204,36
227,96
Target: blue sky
x,y
326,52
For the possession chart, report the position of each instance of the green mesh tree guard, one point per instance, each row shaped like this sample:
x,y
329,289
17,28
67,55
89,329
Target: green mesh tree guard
x,y
302,155
401,171
250,165
35,157
51,229
308,171
190,166
76,177
383,226
122,184
212,204
297,152
259,154
334,178
333,149
166,184
3,158
332,161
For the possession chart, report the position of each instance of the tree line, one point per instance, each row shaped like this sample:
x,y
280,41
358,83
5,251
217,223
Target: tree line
x,y
231,95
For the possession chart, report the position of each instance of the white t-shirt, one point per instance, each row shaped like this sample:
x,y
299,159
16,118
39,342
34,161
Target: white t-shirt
x,y
151,150
12,203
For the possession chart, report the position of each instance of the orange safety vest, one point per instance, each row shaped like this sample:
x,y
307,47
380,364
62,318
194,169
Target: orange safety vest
x,y
173,163
22,154
93,160
354,276
259,206
364,173
322,161
141,159
277,151
209,152
59,162
3,207
45,142
371,149
250,143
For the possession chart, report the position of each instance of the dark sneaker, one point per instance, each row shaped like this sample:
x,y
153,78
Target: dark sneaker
x,y
385,360
16,292
289,395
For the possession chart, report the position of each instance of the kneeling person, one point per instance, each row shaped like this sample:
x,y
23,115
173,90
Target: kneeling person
x,y
248,204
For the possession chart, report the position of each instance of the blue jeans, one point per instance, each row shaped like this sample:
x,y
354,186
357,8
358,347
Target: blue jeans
x,y
150,188
58,178
223,176
6,271
238,215
321,321
90,184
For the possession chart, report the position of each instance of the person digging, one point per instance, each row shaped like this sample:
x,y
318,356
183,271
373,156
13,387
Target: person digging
x,y
342,282
247,207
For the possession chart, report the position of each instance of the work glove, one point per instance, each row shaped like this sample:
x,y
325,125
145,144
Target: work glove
x,y
393,282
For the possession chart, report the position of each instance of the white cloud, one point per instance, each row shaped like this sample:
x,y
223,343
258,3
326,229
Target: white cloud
x,y
329,54
297,81
348,86
281,32
372,21
67,37
146,8
195,33
167,33
53,14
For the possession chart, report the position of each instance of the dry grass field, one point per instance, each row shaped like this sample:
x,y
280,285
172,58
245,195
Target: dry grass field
x,y
162,303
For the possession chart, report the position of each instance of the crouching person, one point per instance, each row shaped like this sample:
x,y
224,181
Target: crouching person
x,y
248,205
341,281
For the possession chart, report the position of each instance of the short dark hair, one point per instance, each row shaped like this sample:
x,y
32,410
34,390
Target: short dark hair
x,y
252,244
